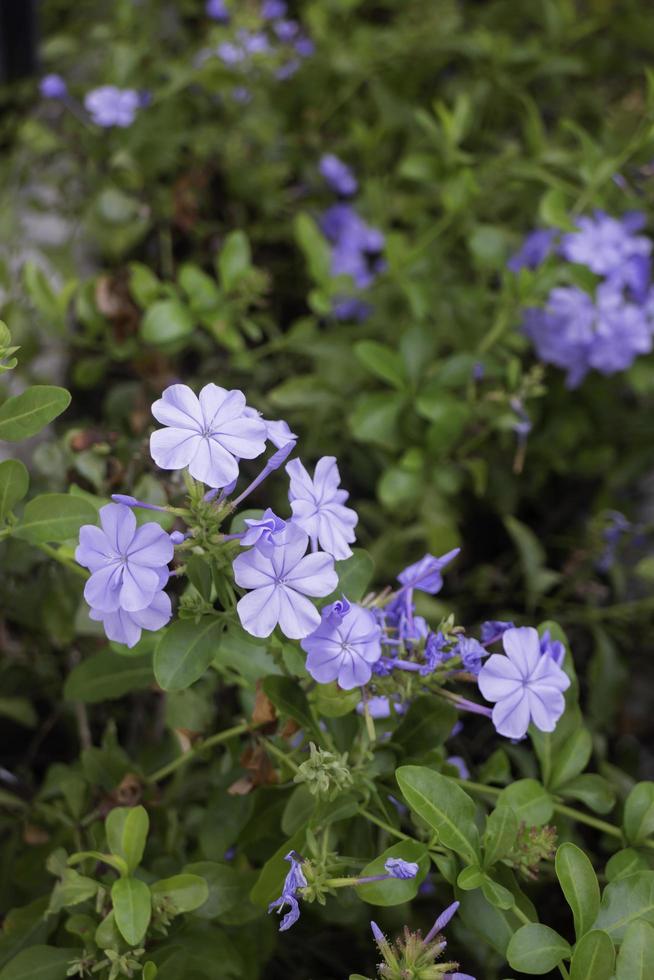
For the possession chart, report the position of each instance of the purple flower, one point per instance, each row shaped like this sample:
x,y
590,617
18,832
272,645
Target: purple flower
x,y
493,629
241,94
397,868
286,30
534,250
280,582
471,652
318,506
552,648
287,70
261,532
209,433
277,431
618,526
604,244
294,879
351,309
525,685
378,707
111,106
435,653
127,563
460,765
254,42
53,87
344,647
217,10
425,574
305,47
338,175
230,53
272,9
125,627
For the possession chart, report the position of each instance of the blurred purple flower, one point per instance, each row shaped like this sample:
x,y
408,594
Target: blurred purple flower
x,y
471,652
53,87
604,244
110,106
318,506
534,250
272,9
493,629
217,10
286,30
338,175
344,647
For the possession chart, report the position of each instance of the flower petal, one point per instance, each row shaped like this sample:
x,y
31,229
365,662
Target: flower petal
x,y
212,464
253,570
245,437
511,715
546,706
179,407
139,586
220,405
298,617
151,546
313,575
119,524
522,646
173,449
156,615
258,611
102,589
498,678
94,549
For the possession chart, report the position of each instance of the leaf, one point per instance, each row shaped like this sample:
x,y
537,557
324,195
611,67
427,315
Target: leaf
x,y
39,963
354,575
394,891
106,676
226,887
497,894
185,651
71,890
500,835
132,908
495,926
166,321
636,956
14,484
331,701
571,758
592,789
538,579
127,832
554,210
623,901
315,248
143,284
374,418
234,259
579,885
54,517
638,819
427,723
529,801
382,361
624,863
536,949
289,698
186,892
22,416
593,958
444,806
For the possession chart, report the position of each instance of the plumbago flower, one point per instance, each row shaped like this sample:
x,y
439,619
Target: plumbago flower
x,y
111,106
344,646
527,685
294,880
318,506
412,956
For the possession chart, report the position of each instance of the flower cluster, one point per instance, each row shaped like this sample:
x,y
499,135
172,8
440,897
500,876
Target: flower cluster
x,y
577,331
356,246
411,955
108,106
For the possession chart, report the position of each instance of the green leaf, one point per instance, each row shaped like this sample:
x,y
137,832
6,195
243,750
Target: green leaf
x,y
495,926
14,484
624,863
226,887
40,291
185,651
186,892
593,958
374,418
571,758
470,877
22,416
500,835
132,908
536,949
427,723
538,579
331,701
166,321
354,575
143,284
71,890
529,801
54,517
444,806
592,789
579,885
497,894
638,819
234,260
106,676
127,832
623,901
394,891
554,210
636,956
39,963
289,698
382,361
315,247
201,290
448,416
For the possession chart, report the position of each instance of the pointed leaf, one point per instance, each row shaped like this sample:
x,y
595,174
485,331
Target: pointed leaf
x,y
22,416
185,651
54,517
444,806
14,483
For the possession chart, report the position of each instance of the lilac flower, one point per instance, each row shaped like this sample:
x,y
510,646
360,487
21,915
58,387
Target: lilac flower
x,y
280,583
534,250
53,87
344,647
261,532
287,70
338,175
604,244
425,574
217,10
230,53
525,685
552,648
442,920
460,765
378,707
286,30
397,868
112,106
272,9
493,629
277,431
351,309
125,627
294,880
241,94
318,506
254,42
435,653
127,563
471,652
356,249
209,433
304,46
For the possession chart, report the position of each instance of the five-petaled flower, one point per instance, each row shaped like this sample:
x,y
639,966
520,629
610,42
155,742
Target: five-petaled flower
x,y
344,646
280,582
318,506
527,685
208,433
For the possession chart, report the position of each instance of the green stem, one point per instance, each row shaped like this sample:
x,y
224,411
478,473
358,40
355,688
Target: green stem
x,y
281,755
384,826
517,911
64,560
199,747
563,971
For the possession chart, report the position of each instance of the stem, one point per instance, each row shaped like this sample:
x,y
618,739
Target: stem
x,y
520,915
199,747
64,560
563,971
385,826
281,755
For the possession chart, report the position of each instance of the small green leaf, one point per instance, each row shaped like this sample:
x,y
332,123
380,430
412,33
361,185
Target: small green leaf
x,y
500,835
444,806
579,885
625,862
571,758
289,698
354,575
39,963
497,894
536,949
427,723
592,789
185,651
105,676
636,955
143,284
166,321
186,892
22,416
127,832
394,891
234,260
14,484
132,908
470,877
554,209
315,247
382,361
529,801
638,820
623,901
54,517
593,958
